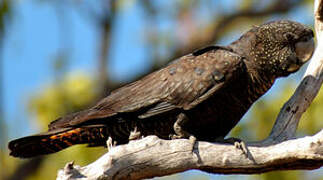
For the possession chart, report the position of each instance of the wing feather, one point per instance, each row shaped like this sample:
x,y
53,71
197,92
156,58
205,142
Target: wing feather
x,y
158,109
181,85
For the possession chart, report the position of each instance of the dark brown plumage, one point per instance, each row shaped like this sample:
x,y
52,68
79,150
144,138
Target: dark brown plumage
x,y
203,94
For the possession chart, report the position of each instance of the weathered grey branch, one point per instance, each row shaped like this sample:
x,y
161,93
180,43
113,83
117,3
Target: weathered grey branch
x,y
152,156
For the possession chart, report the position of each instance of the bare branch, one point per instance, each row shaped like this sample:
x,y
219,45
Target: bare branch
x,y
152,157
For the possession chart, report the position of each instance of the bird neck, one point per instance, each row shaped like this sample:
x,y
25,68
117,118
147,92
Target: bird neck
x,y
261,74
259,81
259,52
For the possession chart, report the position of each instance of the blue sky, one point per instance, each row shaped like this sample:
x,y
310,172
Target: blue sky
x,y
32,40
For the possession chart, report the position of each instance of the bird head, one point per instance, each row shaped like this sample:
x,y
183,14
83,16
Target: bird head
x,y
278,47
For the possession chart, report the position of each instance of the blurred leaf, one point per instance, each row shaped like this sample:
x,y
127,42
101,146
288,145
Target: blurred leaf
x,y
281,175
246,4
74,92
5,12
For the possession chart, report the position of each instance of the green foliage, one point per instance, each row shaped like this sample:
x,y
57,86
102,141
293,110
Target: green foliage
x,y
281,175
266,110
246,4
5,16
74,92
311,121
5,13
80,154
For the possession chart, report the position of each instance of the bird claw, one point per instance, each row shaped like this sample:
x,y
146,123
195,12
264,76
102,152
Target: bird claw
x,y
242,146
135,134
238,143
192,139
180,132
110,143
175,136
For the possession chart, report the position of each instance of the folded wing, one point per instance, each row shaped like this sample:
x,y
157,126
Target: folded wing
x,y
181,85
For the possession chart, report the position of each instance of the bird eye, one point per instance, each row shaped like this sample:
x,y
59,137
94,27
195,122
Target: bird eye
x,y
289,36
305,38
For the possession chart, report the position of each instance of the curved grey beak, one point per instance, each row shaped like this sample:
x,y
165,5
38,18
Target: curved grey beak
x,y
304,50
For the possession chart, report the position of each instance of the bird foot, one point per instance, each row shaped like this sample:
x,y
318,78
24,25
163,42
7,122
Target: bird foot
x,y
191,138
180,132
135,134
110,143
238,143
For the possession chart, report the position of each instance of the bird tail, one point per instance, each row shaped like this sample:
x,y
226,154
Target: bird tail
x,y
57,140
